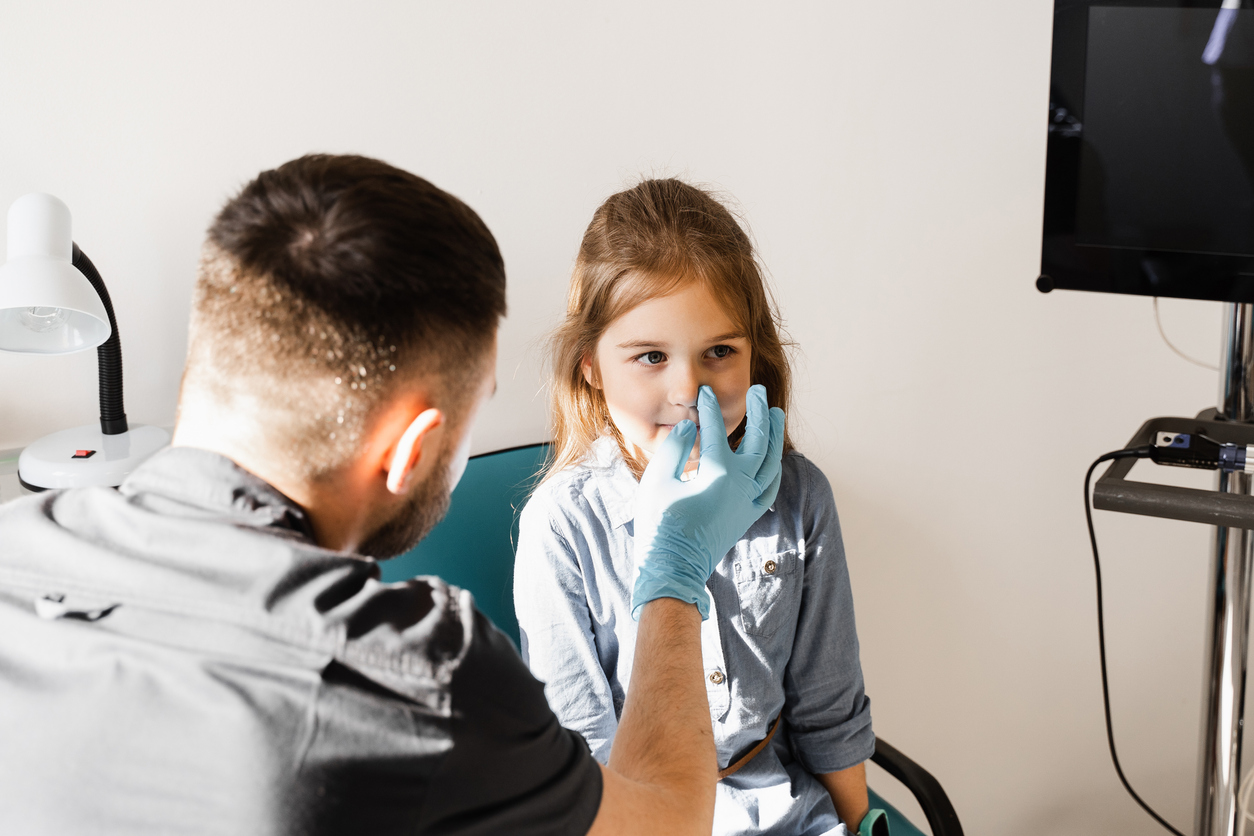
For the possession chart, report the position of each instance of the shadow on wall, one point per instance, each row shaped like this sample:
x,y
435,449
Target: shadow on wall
x,y
1099,812
907,593
972,665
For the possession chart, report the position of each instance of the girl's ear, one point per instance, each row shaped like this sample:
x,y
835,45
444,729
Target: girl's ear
x,y
589,372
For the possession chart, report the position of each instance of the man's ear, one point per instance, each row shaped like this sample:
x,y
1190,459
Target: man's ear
x,y
590,372
404,459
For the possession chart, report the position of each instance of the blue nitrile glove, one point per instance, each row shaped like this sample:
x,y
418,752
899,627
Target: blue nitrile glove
x,y
683,529
874,823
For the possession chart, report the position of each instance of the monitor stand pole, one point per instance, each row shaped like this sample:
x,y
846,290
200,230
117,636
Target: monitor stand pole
x,y
1228,621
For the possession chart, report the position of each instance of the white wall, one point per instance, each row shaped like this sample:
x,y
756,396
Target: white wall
x,y
889,158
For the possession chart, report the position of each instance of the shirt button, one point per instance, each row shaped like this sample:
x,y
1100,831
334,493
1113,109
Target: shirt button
x,y
717,677
769,567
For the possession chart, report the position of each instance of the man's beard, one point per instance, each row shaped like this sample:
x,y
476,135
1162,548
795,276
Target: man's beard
x,y
422,511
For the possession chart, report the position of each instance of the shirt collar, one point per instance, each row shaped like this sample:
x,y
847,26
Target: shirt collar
x,y
618,487
188,481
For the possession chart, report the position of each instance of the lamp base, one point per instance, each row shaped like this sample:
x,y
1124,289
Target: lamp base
x,y
85,457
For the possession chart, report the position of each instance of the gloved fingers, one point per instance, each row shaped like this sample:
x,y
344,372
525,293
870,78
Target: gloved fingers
x,y
767,498
771,463
713,430
757,436
671,456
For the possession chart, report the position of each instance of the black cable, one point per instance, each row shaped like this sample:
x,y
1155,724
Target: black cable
x,y
1130,453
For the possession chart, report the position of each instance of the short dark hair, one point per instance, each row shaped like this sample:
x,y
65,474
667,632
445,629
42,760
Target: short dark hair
x,y
329,279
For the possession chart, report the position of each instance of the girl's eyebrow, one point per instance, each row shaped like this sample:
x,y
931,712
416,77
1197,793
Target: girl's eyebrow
x,y
641,344
634,344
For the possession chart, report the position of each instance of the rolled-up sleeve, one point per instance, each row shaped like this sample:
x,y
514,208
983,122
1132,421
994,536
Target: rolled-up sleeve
x,y
558,644
827,712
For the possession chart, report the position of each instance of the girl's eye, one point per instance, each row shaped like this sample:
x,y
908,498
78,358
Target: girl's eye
x,y
722,352
651,358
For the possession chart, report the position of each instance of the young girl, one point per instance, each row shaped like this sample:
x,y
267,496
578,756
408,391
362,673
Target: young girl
x,y
666,297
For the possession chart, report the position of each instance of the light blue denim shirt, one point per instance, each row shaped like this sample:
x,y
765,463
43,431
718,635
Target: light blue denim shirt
x,y
780,637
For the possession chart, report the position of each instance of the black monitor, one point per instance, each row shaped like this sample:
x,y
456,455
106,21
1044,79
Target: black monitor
x,y
1149,185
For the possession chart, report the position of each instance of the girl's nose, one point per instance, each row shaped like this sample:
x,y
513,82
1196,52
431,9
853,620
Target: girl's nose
x,y
684,385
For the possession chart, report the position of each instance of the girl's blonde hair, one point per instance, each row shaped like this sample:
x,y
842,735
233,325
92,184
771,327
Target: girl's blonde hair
x,y
643,243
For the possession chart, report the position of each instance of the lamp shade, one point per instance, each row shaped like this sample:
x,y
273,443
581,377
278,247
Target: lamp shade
x,y
46,305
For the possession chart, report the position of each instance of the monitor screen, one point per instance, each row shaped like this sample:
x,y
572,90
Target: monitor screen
x,y
1150,172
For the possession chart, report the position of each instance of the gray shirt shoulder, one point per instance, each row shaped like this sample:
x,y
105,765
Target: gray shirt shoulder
x,y
181,651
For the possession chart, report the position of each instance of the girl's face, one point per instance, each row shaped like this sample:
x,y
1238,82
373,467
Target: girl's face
x,y
653,358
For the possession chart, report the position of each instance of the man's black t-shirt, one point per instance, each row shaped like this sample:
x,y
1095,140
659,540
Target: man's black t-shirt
x,y
178,656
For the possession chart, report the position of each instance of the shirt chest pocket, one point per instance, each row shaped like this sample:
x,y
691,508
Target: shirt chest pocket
x,y
769,586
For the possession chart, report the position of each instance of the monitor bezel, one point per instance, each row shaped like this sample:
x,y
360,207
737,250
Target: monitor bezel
x,y
1135,271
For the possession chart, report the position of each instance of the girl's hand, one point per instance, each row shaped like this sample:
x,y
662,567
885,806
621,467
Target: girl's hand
x,y
683,529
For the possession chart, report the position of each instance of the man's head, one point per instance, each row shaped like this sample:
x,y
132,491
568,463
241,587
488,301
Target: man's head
x,y
340,299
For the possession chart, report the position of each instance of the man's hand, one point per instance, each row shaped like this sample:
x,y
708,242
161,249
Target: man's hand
x,y
683,529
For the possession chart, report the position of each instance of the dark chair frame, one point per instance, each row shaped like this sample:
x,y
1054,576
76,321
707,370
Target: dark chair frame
x,y
940,813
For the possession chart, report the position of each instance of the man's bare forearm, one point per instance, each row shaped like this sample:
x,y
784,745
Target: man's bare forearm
x,y
665,730
663,767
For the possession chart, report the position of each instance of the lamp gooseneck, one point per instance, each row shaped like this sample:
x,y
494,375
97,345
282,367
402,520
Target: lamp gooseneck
x,y
108,354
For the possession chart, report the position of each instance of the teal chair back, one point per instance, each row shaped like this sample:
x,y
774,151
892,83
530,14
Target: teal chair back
x,y
474,548
898,825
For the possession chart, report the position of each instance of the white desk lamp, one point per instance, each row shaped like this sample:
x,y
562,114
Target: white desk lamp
x,y
53,301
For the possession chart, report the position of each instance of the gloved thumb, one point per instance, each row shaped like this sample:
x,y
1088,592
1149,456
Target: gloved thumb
x,y
671,456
